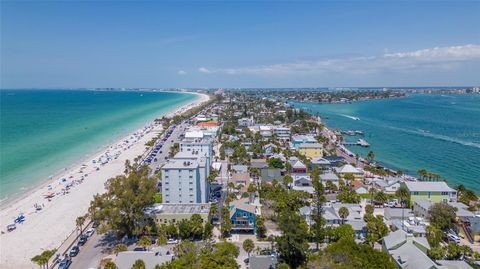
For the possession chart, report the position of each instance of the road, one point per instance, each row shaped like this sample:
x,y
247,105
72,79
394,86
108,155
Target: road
x,y
175,137
96,248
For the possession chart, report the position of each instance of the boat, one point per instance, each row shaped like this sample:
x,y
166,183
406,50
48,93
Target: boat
x,y
362,142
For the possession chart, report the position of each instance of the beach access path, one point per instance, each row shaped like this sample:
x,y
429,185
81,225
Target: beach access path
x,y
49,227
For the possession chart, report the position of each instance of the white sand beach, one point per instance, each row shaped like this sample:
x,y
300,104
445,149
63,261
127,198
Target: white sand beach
x,y
49,221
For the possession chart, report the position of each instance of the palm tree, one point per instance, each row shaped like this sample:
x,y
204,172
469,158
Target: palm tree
x,y
370,156
39,260
372,192
80,221
422,173
47,254
403,194
248,246
343,213
213,209
287,180
381,197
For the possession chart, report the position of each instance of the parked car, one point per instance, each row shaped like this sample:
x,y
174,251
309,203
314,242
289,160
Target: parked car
x,y
65,263
90,232
454,238
83,239
74,251
172,241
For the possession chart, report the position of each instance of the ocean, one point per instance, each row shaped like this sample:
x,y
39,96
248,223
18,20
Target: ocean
x,y
439,133
45,131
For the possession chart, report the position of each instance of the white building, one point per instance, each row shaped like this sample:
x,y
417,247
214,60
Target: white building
x,y
198,145
203,169
181,183
246,122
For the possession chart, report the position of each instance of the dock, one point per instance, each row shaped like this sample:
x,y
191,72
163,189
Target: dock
x,y
360,142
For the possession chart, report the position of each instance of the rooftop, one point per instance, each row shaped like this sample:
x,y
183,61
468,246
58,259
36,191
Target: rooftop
x,y
179,209
311,145
421,186
180,164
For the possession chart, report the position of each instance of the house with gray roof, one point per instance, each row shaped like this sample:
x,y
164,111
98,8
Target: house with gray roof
x,y
409,252
262,262
151,258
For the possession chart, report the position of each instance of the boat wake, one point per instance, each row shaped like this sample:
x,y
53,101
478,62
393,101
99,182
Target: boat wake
x,y
350,117
426,133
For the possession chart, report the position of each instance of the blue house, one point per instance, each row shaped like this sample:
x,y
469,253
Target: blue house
x,y
297,140
243,215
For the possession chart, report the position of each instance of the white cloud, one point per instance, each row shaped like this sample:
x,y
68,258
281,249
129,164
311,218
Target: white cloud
x,y
181,72
204,70
445,57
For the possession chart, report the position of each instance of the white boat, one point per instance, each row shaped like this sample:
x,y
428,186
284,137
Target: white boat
x,y
362,142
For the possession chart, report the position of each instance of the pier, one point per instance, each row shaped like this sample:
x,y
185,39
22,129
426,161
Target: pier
x,y
359,142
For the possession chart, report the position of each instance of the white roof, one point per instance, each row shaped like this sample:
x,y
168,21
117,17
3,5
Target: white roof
x,y
348,168
422,186
299,164
194,134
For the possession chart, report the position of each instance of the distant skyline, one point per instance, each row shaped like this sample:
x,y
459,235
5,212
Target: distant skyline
x,y
181,44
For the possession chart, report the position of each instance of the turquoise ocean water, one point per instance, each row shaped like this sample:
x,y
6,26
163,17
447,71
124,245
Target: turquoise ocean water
x,y
44,131
440,133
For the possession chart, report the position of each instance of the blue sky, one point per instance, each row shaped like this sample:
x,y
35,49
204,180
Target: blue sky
x,y
239,43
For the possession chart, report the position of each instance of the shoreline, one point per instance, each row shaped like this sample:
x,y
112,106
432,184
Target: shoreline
x,y
35,234
22,193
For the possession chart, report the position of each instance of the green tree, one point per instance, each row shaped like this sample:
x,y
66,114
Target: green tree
x,y
196,226
348,177
39,260
110,265
370,156
434,235
442,215
145,242
376,229
207,231
453,251
248,246
369,209
343,213
283,266
47,254
184,229
139,264
344,231
226,224
261,229
121,208
120,248
213,209
436,253
404,195
346,254
380,197
171,230
317,229
275,163
292,244
287,180
348,196
80,221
